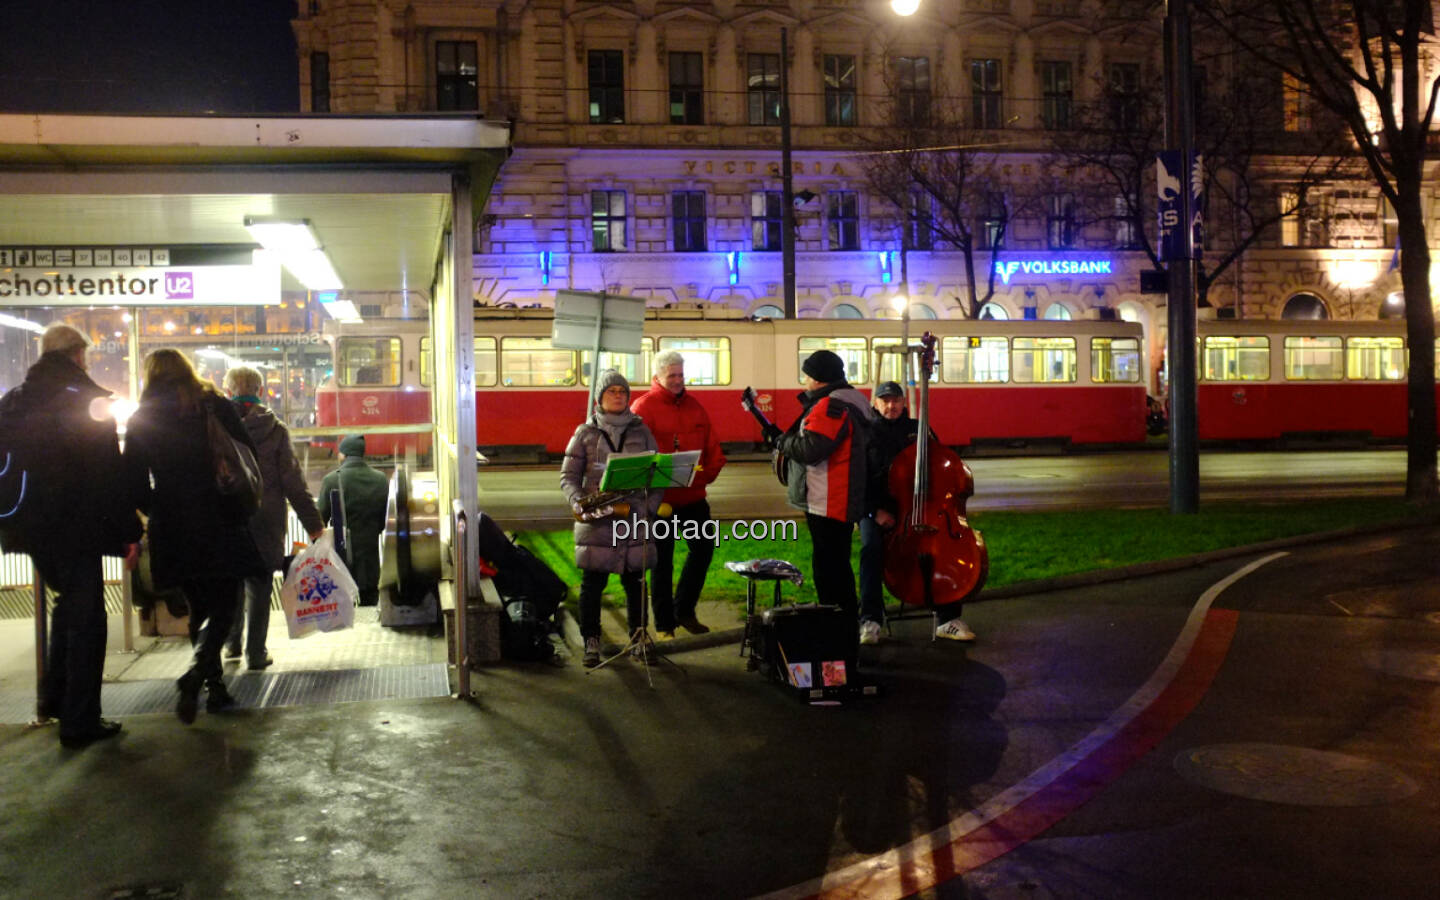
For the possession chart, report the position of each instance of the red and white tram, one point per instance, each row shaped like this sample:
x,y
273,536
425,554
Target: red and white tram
x,y
1062,382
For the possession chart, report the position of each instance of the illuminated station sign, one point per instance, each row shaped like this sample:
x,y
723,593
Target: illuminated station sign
x,y
137,276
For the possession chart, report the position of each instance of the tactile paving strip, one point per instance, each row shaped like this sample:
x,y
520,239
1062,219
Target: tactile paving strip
x,y
259,690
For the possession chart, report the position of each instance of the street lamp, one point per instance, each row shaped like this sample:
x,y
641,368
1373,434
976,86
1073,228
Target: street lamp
x,y
905,7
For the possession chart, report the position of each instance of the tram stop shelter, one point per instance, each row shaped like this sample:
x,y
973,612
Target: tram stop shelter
x,y
147,231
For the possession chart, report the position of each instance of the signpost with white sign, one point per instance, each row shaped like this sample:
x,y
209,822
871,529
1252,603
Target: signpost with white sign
x,y
597,322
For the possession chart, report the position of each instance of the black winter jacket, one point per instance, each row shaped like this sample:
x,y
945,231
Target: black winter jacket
x,y
85,509
192,535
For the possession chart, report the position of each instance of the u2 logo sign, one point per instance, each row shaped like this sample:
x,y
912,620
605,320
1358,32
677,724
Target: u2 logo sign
x,y
179,286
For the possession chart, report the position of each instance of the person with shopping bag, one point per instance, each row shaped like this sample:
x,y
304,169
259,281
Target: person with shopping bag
x,y
283,481
199,541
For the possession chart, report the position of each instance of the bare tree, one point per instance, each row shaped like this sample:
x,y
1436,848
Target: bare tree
x,y
945,180
1370,63
1108,158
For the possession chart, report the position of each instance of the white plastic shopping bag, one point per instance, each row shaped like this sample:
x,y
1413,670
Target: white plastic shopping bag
x,y
318,594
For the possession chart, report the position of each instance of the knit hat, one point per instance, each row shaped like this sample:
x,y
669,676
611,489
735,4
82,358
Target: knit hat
x,y
610,378
824,366
353,445
889,389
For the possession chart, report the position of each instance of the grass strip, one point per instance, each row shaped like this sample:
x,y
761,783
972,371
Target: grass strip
x,y
1028,546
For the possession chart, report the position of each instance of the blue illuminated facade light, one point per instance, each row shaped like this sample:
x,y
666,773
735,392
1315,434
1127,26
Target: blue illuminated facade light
x,y
546,259
732,259
887,268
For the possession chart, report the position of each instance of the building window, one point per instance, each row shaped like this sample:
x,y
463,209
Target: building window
x,y
607,86
839,90
767,218
688,215
1058,92
1125,96
607,220
1296,104
319,82
912,90
1060,221
985,93
455,73
687,89
1125,234
990,229
843,220
919,223
762,88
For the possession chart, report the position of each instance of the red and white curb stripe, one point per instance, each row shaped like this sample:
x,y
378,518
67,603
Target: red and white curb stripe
x,y
1052,792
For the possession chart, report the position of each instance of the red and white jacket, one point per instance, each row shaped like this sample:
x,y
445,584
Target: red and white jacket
x,y
826,449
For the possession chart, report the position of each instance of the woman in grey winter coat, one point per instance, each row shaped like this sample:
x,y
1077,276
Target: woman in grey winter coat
x,y
611,428
283,480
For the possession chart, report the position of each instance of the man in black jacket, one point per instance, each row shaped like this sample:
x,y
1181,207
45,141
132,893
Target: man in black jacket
x,y
79,515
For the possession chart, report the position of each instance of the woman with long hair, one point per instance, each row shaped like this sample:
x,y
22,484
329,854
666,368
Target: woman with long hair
x,y
199,541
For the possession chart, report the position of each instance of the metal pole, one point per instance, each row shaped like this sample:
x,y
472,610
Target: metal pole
x,y
1180,135
787,185
908,373
41,640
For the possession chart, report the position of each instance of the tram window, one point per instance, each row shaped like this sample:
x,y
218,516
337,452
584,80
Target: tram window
x,y
1313,359
484,356
852,352
890,364
707,360
634,366
532,362
484,361
1114,359
974,360
1043,360
369,361
1230,358
1375,359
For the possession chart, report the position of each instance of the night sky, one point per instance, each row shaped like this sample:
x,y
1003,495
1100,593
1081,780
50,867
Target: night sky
x,y
148,56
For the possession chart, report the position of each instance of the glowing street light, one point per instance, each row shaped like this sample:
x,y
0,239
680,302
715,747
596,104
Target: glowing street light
x,y
905,7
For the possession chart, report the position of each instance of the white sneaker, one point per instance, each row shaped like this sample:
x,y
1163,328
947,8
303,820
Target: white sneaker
x,y
869,632
954,630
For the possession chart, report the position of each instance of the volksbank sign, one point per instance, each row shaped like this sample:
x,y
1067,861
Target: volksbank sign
x,y
1040,267
256,284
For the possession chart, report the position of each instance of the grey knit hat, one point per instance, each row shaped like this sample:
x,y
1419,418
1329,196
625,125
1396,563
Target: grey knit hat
x,y
610,378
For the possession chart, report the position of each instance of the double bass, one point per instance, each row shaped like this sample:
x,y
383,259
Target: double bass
x,y
932,556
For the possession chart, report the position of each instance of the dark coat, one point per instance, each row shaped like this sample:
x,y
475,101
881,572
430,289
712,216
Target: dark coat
x,y
283,481
888,437
192,534
85,509
365,493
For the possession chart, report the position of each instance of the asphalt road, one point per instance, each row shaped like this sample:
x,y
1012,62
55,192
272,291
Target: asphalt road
x,y
529,496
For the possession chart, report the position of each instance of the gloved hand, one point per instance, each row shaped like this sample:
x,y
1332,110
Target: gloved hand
x,y
771,433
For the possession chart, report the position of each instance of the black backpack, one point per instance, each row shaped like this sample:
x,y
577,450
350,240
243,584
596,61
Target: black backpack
x,y
28,476
524,634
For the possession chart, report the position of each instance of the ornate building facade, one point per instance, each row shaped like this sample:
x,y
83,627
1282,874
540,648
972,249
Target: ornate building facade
x,y
647,151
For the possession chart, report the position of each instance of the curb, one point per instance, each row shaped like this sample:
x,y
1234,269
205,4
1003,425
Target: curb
x,y
1161,566
720,637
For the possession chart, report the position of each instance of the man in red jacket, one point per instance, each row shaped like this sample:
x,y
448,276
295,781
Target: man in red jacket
x,y
679,422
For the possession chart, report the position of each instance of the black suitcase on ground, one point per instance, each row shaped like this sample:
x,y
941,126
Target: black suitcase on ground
x,y
812,650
